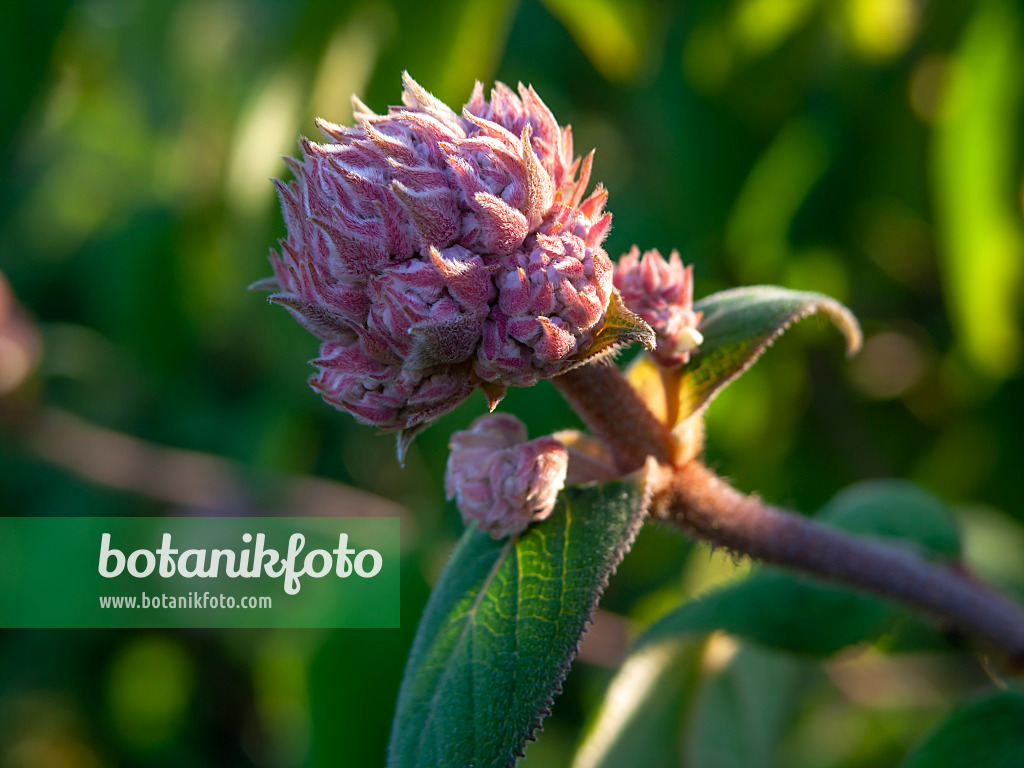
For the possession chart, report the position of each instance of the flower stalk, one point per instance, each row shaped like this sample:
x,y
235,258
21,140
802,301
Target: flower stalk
x,y
615,414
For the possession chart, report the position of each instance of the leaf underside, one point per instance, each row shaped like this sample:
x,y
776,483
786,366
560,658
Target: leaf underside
x,y
502,626
620,328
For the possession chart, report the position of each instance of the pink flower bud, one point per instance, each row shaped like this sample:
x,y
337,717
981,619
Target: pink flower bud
x,y
552,296
388,396
434,252
429,312
499,479
551,142
661,292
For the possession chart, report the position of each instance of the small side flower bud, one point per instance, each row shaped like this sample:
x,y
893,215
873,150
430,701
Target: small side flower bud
x,y
499,479
661,292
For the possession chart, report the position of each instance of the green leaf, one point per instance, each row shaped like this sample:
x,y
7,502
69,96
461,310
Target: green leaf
x,y
988,731
743,710
642,708
739,325
503,625
895,509
781,610
733,715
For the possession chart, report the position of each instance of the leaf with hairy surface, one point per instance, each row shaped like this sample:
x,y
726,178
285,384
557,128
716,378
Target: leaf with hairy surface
x,y
503,625
619,329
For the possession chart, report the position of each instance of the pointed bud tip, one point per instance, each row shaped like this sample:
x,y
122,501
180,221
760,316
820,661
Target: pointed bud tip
x,y
265,284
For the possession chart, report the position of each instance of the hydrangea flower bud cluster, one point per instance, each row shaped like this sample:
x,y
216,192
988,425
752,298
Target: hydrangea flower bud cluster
x,y
500,480
435,252
661,292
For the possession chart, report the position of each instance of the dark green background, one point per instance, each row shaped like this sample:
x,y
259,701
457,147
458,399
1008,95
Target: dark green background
x,y
870,149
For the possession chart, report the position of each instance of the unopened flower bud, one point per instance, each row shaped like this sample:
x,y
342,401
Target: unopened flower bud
x,y
501,481
430,311
552,296
386,395
551,142
434,253
661,292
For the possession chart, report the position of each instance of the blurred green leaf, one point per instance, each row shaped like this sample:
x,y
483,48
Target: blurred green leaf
x,y
895,509
988,731
640,712
502,627
976,151
739,325
734,718
781,611
744,708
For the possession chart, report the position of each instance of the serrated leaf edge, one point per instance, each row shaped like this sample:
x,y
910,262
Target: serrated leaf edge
x,y
646,494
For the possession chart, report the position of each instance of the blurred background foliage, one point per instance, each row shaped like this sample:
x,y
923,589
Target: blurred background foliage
x,y
870,149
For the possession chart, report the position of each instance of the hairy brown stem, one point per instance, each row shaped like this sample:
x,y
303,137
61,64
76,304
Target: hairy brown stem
x,y
709,508
611,409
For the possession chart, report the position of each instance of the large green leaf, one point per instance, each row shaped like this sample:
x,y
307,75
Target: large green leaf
x,y
732,712
738,325
502,627
988,731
